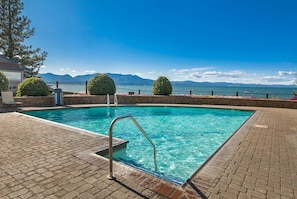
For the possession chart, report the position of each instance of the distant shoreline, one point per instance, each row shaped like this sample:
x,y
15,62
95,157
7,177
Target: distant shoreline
x,y
135,80
251,92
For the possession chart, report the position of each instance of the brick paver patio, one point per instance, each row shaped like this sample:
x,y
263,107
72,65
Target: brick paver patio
x,y
44,160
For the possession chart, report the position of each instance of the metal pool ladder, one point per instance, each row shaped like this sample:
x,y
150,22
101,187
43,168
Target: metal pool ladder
x,y
111,177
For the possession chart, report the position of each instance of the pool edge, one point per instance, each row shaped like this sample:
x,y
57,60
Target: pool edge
x,y
207,173
201,176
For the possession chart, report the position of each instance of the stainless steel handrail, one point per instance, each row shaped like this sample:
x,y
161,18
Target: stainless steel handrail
x,y
107,100
110,143
115,99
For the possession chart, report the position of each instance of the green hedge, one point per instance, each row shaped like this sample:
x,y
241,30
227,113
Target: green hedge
x,y
162,86
101,84
33,86
4,83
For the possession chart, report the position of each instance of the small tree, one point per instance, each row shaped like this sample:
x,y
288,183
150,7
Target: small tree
x,y
14,29
33,86
162,86
101,84
4,83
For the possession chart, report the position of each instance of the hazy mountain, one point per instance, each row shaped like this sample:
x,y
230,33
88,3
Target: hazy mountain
x,y
83,78
51,78
121,79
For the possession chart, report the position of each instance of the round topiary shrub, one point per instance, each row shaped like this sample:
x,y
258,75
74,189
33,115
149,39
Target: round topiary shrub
x,y
162,86
4,83
101,84
33,86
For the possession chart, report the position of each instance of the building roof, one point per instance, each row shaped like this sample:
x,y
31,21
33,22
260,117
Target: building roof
x,y
7,64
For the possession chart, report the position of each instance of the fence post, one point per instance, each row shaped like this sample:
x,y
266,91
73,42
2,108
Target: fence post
x,y
86,87
57,84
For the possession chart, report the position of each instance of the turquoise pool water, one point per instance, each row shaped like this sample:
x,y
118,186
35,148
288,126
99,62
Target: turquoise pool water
x,y
185,137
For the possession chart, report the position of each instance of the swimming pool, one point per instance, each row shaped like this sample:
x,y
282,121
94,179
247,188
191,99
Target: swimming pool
x,y
185,137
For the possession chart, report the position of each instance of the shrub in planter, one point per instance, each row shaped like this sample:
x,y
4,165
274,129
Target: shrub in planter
x,y
4,83
33,86
162,86
101,84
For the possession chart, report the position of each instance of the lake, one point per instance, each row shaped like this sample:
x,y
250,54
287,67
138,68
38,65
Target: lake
x,y
256,92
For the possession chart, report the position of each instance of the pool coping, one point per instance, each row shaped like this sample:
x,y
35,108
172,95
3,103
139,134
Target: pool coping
x,y
207,173
200,181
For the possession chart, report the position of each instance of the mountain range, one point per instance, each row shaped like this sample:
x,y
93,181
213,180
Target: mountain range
x,y
121,79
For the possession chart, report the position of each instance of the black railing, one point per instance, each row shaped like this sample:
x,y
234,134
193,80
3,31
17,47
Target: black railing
x,y
257,92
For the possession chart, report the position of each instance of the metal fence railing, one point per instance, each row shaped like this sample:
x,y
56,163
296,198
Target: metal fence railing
x,y
247,92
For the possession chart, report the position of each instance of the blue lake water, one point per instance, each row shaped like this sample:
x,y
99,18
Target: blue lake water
x,y
257,92
185,137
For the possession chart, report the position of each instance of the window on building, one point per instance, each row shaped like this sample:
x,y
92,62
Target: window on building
x,y
13,75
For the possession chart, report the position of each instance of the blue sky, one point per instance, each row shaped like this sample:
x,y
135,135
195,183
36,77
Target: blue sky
x,y
232,41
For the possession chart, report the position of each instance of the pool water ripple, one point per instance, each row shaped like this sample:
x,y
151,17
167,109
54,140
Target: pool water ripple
x,y
185,137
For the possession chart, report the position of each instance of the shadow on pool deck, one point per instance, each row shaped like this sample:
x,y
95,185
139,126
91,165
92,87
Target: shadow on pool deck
x,y
43,160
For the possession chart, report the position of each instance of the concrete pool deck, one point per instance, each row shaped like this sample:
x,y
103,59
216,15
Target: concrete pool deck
x,y
40,159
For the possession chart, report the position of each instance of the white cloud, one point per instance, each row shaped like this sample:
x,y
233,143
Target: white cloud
x,y
276,80
138,74
67,70
204,74
287,73
43,66
89,71
272,78
196,75
189,70
202,69
233,76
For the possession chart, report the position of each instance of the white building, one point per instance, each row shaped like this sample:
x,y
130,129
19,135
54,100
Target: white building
x,y
13,71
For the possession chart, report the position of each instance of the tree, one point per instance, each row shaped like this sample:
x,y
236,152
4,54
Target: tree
x,y
4,83
162,86
101,84
33,86
14,29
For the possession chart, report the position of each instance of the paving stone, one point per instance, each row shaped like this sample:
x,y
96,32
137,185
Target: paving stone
x,y
70,195
41,160
84,188
4,191
37,189
17,193
86,195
